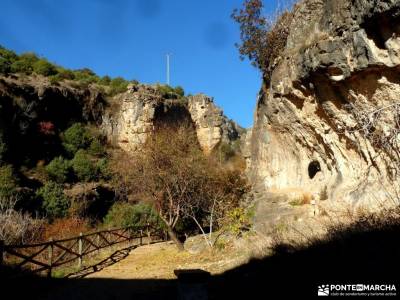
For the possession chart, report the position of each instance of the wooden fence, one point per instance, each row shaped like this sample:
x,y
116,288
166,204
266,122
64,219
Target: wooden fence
x,y
45,257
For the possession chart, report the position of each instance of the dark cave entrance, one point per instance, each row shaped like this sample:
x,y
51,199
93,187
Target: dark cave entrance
x,y
172,115
313,168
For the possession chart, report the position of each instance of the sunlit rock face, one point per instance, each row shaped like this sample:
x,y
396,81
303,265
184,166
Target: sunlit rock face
x,y
136,113
341,61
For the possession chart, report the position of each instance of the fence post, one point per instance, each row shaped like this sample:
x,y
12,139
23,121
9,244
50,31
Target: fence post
x,y
148,234
80,250
50,261
98,243
141,237
1,252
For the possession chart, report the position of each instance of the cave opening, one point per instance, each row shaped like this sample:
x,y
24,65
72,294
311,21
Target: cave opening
x,y
172,115
382,27
313,168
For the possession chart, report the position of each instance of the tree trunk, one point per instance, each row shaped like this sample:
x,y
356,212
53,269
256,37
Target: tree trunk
x,y
174,238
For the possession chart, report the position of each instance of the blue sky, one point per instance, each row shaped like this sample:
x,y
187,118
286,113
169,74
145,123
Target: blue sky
x,y
130,39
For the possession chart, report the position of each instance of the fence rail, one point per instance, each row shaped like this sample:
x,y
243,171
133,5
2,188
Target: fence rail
x,y
46,256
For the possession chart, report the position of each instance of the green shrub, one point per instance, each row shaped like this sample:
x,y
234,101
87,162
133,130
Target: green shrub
x,y
24,64
118,85
96,148
239,220
8,183
76,137
85,77
103,170
179,91
43,67
8,55
55,203
54,79
83,166
5,66
59,170
65,74
105,80
123,214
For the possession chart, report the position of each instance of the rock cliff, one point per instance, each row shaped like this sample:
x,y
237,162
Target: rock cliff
x,y
31,105
326,125
135,114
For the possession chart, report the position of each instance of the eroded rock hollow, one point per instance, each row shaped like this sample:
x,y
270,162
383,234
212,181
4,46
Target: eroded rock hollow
x,y
326,123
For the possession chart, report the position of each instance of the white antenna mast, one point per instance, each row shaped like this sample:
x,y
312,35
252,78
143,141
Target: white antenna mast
x,y
168,68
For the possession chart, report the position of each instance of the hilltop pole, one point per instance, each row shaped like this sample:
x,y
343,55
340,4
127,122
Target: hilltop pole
x,y
168,69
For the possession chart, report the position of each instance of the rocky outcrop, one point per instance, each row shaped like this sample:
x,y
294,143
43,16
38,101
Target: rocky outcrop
x,y
323,120
137,112
33,111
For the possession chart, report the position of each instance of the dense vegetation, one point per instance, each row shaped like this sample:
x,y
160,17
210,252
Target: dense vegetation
x,y
29,63
72,181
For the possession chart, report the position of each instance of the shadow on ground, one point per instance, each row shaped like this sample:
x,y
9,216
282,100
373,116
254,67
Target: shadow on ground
x,y
349,256
109,261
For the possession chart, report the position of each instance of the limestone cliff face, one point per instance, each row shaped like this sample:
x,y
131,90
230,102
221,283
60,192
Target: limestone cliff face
x,y
136,113
341,65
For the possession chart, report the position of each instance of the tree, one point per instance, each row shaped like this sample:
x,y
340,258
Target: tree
x,y
83,166
76,137
55,203
59,170
172,173
263,38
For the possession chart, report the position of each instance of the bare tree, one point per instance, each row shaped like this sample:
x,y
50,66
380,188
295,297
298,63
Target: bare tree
x,y
172,173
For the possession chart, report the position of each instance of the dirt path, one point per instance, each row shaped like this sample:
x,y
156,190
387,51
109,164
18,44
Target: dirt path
x,y
146,272
158,261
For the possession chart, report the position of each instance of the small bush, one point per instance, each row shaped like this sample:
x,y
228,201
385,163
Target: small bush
x,y
85,77
96,148
24,64
83,166
59,170
5,66
65,74
8,183
124,214
43,67
118,85
65,228
19,228
8,55
238,220
103,169
167,92
105,80
76,137
55,203
179,91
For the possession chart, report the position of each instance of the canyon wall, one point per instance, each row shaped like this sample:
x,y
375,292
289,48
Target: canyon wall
x,y
326,124
134,115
